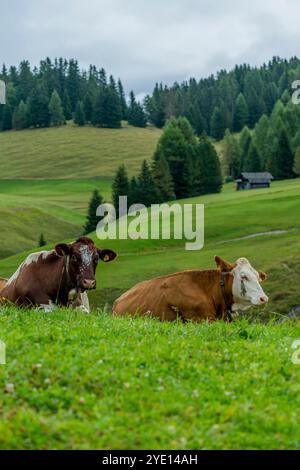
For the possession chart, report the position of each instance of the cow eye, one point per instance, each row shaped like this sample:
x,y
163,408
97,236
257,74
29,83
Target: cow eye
x,y
244,277
74,258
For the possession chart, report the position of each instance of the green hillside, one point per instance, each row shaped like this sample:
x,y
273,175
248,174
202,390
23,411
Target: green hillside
x,y
74,152
229,217
95,381
55,207
48,175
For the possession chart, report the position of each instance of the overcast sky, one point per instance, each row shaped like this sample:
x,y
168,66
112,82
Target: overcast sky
x,y
147,41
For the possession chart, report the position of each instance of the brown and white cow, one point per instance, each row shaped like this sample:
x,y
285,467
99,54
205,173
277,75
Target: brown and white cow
x,y
46,278
196,294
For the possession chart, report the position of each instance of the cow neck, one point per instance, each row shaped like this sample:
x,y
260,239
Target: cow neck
x,y
226,290
64,283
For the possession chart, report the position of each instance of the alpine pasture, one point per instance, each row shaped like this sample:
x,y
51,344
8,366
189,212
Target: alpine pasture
x,y
94,381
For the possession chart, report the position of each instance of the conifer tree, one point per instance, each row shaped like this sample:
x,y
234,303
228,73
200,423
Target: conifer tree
x,y
120,187
20,116
7,118
99,117
241,113
92,219
282,159
162,177
79,117
57,117
244,144
133,195
42,241
147,190
122,100
231,156
113,106
66,103
135,113
38,110
296,167
252,162
217,125
260,139
209,169
88,106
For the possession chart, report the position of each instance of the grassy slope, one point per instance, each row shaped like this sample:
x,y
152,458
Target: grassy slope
x,y
55,207
228,216
72,152
136,383
116,383
67,164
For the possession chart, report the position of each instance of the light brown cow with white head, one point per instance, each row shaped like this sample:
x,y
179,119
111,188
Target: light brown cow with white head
x,y
196,294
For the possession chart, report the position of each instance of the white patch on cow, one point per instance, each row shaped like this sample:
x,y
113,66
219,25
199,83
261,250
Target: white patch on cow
x,y
72,294
85,307
32,258
246,288
87,256
49,307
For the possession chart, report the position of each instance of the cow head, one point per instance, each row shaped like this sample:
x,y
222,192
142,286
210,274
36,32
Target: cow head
x,y
81,259
246,288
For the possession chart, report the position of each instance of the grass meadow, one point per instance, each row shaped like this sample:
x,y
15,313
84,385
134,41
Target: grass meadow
x,y
76,381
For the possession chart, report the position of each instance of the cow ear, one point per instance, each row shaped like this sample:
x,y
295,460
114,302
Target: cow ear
x,y
262,276
62,249
223,265
107,255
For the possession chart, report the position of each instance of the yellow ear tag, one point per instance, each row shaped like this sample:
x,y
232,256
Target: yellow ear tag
x,y
106,258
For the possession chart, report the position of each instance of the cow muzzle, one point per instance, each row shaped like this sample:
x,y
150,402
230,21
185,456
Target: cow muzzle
x,y
88,284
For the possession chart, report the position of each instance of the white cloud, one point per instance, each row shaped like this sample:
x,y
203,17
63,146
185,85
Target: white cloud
x,y
144,42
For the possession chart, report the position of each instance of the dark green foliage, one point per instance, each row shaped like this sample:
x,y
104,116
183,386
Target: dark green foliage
x,y
175,145
99,118
7,118
241,97
217,124
208,174
107,110
133,192
57,117
79,117
67,105
120,187
20,116
282,159
162,177
155,107
122,100
39,115
147,193
113,106
88,106
252,162
42,241
296,167
244,144
232,156
135,113
73,80
92,219
241,113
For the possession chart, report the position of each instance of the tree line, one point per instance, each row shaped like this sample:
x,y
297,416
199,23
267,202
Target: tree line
x,y
59,91
227,100
273,145
183,165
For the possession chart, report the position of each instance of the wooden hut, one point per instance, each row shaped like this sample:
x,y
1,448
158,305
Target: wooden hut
x,y
254,180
